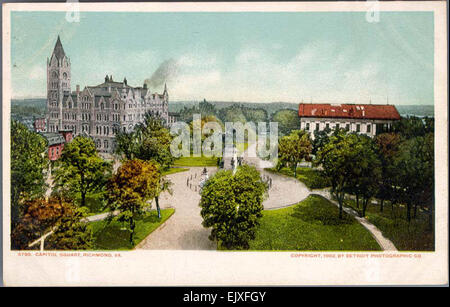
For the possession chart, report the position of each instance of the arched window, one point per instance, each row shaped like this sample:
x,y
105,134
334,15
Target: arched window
x,y
65,76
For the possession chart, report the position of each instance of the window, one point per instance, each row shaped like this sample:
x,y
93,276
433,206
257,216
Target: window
x,y
337,126
317,126
327,126
368,128
307,126
347,127
358,127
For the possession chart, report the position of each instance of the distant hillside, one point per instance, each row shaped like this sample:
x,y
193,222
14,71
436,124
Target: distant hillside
x,y
421,111
28,107
38,105
272,107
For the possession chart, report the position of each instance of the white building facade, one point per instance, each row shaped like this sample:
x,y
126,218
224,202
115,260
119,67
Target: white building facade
x,y
366,119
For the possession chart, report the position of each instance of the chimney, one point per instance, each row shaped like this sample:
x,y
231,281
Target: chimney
x,y
78,88
145,85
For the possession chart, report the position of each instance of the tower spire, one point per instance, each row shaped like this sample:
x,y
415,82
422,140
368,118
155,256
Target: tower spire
x,y
58,51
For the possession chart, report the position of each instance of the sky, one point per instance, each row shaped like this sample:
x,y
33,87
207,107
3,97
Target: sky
x,y
335,57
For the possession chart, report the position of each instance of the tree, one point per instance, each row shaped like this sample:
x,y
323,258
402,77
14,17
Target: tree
x,y
28,164
129,190
336,159
293,149
70,233
80,169
410,127
39,217
414,178
287,121
366,175
320,139
149,140
232,205
387,146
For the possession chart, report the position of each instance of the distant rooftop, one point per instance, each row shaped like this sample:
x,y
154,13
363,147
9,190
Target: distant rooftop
x,y
360,111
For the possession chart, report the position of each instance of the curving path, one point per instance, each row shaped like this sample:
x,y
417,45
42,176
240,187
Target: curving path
x,y
183,230
287,191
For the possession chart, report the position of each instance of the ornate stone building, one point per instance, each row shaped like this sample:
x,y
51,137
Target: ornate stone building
x,y
98,111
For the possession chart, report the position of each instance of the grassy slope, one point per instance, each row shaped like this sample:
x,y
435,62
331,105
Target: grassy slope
x,y
312,224
112,237
393,225
310,177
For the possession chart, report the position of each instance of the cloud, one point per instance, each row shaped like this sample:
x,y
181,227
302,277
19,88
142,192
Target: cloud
x,y
319,71
37,72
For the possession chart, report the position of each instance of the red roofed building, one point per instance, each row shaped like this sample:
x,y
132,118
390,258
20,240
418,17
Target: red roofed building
x,y
369,119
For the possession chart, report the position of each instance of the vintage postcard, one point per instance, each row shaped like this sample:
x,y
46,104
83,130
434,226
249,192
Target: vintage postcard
x,y
293,143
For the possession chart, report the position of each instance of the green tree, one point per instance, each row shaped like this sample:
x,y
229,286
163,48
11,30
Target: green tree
x,y
336,159
232,114
321,138
414,177
366,169
70,232
410,127
149,140
293,149
80,169
287,120
130,189
232,205
29,162
387,145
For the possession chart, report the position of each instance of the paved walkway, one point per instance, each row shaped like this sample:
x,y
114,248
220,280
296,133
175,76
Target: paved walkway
x,y
183,230
287,191
384,243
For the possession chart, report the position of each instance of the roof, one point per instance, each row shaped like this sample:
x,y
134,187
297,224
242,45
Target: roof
x,y
53,138
360,111
59,50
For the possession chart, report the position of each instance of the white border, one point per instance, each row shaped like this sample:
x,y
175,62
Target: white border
x,y
235,268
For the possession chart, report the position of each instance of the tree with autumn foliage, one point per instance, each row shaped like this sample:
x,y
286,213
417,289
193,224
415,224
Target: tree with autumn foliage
x,y
80,169
41,216
130,190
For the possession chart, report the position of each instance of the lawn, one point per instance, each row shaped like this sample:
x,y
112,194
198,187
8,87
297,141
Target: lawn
x,y
311,225
310,177
114,237
94,203
174,170
196,161
414,236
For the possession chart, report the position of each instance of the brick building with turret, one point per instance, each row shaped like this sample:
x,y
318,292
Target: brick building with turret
x,y
98,111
